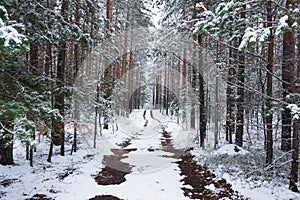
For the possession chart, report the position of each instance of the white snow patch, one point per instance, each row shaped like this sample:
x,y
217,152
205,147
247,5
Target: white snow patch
x,y
282,24
230,149
295,111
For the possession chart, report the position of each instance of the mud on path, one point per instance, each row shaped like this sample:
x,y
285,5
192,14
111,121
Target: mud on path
x,y
198,182
115,170
109,175
204,183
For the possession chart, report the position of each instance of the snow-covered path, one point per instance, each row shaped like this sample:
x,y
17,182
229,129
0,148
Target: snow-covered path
x,y
155,175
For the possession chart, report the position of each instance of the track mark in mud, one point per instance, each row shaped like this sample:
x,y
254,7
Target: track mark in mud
x,y
166,143
146,120
151,115
39,197
105,197
7,182
68,171
125,143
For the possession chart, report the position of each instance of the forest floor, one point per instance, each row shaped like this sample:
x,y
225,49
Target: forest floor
x,y
148,157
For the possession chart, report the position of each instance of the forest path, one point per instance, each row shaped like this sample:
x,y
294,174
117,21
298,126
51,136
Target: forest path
x,y
153,171
148,166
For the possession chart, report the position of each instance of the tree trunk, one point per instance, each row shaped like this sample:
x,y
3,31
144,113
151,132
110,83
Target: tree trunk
x,y
269,114
295,89
31,155
6,149
76,68
34,66
60,81
202,108
240,94
60,98
288,62
50,149
295,157
107,87
230,118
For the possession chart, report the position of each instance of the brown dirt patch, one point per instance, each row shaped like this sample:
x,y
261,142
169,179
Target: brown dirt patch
x,y
105,197
115,171
39,197
7,182
199,177
110,176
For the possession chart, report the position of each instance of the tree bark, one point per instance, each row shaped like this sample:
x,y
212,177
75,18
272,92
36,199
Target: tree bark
x,y
295,89
34,61
202,106
240,93
288,62
230,118
6,149
60,81
269,113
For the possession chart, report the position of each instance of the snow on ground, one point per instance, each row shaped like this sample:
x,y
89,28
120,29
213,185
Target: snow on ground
x,y
264,192
182,138
154,176
256,190
44,177
230,149
161,184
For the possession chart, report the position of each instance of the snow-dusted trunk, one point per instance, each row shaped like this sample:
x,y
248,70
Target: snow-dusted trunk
x,y
230,118
288,61
240,92
76,68
202,107
269,115
167,86
107,86
289,57
6,149
194,85
295,157
124,57
178,83
130,77
59,100
185,90
34,61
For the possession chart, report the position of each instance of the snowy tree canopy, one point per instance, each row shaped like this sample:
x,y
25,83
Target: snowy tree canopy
x,y
8,33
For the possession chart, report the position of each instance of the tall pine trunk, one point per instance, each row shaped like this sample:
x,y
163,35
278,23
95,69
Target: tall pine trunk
x,y
296,121
288,62
240,93
230,118
202,108
269,114
60,81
